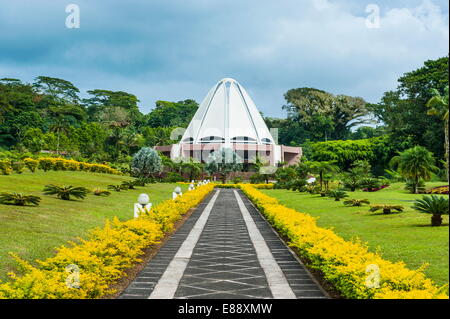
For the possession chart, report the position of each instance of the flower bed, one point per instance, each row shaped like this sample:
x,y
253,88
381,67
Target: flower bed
x,y
349,266
438,190
102,258
375,189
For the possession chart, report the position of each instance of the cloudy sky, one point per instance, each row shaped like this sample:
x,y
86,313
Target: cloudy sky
x,y
177,49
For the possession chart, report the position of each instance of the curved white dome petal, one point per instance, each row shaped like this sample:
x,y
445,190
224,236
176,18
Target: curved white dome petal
x,y
226,115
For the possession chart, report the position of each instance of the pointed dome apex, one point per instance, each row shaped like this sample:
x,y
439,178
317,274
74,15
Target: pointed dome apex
x,y
227,115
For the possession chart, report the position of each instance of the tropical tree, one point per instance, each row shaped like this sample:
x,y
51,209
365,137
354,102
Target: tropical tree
x,y
65,192
191,168
322,168
146,162
438,106
222,162
434,205
414,164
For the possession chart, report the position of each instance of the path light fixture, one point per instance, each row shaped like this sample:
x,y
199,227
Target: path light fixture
x,y
143,204
176,192
191,187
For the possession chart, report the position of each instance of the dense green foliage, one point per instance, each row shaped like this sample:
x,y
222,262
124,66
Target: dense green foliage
x,y
146,162
107,126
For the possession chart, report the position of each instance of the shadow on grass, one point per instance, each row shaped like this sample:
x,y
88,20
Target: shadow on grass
x,y
428,225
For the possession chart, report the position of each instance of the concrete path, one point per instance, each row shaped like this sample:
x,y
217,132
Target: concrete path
x,y
224,250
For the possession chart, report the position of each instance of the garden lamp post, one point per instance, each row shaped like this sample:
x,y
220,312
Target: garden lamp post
x,y
176,192
191,187
143,204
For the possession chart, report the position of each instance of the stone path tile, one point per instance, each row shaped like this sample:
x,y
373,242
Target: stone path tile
x,y
224,263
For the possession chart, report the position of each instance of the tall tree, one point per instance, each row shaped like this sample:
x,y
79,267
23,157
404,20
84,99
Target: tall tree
x,y
415,164
324,115
438,106
404,111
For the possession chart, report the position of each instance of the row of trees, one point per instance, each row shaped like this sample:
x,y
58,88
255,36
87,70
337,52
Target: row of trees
x,y
49,114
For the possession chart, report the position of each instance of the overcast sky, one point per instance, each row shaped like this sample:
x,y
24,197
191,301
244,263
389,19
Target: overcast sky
x,y
178,49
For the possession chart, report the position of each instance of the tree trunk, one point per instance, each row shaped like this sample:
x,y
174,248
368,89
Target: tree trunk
x,y
436,220
386,211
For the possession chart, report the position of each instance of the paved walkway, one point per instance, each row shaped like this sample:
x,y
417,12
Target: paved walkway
x,y
224,250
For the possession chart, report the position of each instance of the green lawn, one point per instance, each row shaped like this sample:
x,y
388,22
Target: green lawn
x,y
34,232
405,236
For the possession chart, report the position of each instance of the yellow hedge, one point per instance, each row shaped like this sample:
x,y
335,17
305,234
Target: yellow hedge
x,y
349,266
56,163
102,258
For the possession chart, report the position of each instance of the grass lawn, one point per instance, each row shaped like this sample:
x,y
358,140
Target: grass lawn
x,y
34,232
405,236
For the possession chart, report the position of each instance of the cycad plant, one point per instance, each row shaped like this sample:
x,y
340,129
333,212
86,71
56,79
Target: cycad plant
x,y
19,199
100,192
356,202
128,184
387,209
116,188
65,192
434,205
337,194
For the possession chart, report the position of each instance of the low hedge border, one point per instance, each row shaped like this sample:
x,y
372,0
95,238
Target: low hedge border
x,y
349,266
101,259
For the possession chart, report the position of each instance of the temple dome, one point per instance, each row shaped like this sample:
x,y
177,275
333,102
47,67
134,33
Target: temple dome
x,y
227,115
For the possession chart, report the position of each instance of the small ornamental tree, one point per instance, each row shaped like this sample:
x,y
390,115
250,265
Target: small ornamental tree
x,y
223,162
146,162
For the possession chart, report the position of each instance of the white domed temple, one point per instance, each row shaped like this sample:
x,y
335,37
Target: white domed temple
x,y
227,117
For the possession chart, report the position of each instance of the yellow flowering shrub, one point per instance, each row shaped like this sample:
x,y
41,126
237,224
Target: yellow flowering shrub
x,y
102,258
349,266
56,163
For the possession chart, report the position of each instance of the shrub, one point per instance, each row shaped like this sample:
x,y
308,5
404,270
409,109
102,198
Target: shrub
x,y
65,192
369,184
146,162
387,209
5,167
19,199
434,205
46,164
100,192
116,188
128,185
337,194
297,184
18,166
237,180
31,164
173,177
412,186
356,202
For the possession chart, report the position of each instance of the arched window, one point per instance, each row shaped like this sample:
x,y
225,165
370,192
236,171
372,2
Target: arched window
x,y
243,140
212,139
188,140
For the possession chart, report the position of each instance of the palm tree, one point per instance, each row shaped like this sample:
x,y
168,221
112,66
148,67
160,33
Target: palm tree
x,y
322,168
434,205
191,168
438,106
414,164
